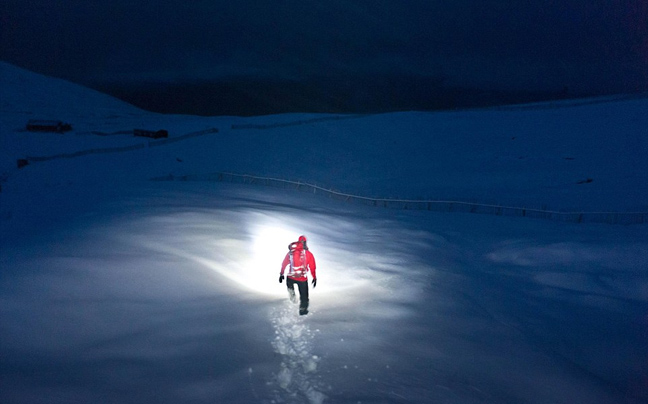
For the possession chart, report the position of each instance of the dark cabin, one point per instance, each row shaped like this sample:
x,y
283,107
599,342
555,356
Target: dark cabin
x,y
150,133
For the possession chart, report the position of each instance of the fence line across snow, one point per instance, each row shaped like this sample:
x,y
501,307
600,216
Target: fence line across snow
x,y
429,205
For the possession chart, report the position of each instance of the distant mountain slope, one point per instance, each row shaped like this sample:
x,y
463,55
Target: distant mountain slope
x,y
27,92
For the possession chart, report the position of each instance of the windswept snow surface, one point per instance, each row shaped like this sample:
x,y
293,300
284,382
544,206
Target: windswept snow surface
x,y
114,288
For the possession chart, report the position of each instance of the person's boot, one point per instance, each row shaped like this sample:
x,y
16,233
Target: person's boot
x,y
291,295
303,308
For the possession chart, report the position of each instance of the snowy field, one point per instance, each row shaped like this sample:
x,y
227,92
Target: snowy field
x,y
118,289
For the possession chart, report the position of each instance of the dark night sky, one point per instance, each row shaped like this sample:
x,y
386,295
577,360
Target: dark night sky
x,y
331,55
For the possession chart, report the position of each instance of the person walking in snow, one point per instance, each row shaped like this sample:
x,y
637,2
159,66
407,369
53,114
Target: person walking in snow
x,y
299,261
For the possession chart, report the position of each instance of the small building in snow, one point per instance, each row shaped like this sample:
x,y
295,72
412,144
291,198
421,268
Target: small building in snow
x,y
151,133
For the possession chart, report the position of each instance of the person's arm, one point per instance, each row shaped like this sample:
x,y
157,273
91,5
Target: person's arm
x,y
283,267
284,263
310,258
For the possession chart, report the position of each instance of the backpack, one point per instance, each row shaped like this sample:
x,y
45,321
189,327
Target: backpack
x,y
298,264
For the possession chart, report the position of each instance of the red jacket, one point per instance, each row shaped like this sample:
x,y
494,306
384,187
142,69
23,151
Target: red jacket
x,y
308,266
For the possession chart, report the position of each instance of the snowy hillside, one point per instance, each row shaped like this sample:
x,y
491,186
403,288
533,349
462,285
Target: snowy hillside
x,y
115,288
562,157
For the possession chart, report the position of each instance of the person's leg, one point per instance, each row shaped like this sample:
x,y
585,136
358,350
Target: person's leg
x,y
303,297
290,284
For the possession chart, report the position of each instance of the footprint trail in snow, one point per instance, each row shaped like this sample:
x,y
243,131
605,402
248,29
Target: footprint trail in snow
x,y
297,377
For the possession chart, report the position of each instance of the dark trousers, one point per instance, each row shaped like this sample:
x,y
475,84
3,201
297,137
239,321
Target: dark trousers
x,y
303,291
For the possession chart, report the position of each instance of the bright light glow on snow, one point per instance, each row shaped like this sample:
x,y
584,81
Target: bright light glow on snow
x,y
338,269
244,250
268,246
219,241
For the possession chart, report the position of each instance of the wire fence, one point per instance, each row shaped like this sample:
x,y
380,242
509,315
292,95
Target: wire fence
x,y
624,218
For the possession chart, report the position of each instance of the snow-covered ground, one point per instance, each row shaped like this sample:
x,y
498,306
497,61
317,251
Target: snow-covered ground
x,y
115,288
